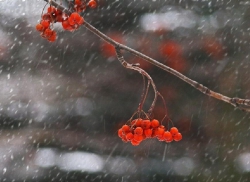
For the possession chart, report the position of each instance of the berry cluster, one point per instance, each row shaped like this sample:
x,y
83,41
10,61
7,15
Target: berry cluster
x,y
80,5
69,22
72,22
52,15
141,129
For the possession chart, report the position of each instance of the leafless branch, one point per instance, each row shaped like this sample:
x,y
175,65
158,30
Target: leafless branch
x,y
243,104
144,73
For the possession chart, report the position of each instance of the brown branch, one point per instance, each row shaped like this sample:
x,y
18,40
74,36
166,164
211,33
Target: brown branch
x,y
141,71
243,104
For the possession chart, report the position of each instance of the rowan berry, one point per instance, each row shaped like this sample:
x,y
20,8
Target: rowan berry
x,y
138,138
59,16
169,140
138,131
124,139
39,27
75,19
138,122
125,128
120,133
148,133
79,9
45,23
48,32
162,126
177,137
145,124
167,136
78,2
161,138
92,4
51,10
129,136
52,38
174,131
135,142
154,132
160,132
47,17
155,123
58,12
67,26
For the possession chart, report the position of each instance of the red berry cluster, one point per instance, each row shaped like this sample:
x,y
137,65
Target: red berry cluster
x,y
80,5
72,22
141,129
69,22
52,15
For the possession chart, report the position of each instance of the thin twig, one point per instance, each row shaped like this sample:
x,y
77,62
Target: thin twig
x,y
143,93
144,96
166,110
141,71
243,104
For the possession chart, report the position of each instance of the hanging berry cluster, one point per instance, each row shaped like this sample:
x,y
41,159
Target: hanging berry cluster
x,y
141,129
69,22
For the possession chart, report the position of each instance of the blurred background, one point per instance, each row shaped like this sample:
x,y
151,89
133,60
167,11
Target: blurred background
x,y
62,103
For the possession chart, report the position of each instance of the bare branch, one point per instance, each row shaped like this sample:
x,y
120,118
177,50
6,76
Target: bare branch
x,y
144,73
243,104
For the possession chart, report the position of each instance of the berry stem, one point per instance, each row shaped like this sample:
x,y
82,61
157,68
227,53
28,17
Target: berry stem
x,y
144,93
242,104
165,106
141,71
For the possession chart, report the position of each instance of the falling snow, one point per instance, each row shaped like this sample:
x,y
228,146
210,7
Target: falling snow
x,y
62,103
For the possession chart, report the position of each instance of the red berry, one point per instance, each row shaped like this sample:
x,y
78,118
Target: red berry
x,y
136,122
177,137
138,138
160,132
154,132
45,23
169,140
129,136
134,142
155,123
48,32
161,138
120,133
162,126
174,131
138,131
67,26
58,12
145,124
92,4
51,10
75,19
52,38
125,128
148,133
39,27
124,139
59,18
47,17
78,2
167,136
